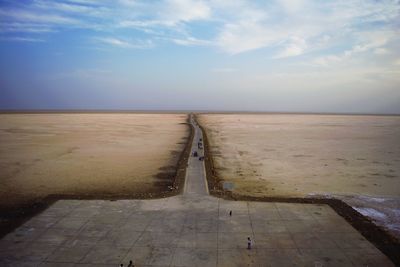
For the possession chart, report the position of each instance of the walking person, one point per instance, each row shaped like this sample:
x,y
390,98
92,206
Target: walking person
x,y
230,213
249,243
131,264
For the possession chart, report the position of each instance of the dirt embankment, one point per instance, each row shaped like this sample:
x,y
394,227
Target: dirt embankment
x,y
382,239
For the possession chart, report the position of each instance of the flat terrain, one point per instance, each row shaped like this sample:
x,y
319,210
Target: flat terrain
x,y
192,229
288,155
86,154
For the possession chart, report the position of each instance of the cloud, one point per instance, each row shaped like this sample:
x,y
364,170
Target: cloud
x,y
244,36
146,23
26,27
22,39
112,41
191,41
292,6
328,60
295,47
371,40
169,13
65,7
186,10
309,22
381,51
368,41
86,2
290,27
36,17
129,3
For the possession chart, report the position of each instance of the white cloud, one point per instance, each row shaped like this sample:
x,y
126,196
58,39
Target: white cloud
x,y
65,7
237,26
22,39
137,44
168,13
113,41
292,6
295,47
128,2
170,19
381,51
85,2
26,27
372,40
368,41
327,60
145,23
186,10
315,25
190,41
244,36
28,16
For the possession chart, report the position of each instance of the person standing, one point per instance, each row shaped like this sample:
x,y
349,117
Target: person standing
x,y
249,243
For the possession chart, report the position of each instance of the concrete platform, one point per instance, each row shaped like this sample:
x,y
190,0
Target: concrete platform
x,y
193,229
181,231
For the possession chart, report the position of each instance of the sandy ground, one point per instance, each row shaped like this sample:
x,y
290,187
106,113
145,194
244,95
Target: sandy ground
x,y
356,158
86,154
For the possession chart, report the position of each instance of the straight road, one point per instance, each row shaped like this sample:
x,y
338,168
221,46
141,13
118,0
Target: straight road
x,y
196,182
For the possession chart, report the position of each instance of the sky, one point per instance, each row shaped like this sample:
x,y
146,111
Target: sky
x,y
278,55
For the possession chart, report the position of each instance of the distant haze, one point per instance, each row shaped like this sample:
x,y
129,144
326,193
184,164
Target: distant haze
x,y
282,55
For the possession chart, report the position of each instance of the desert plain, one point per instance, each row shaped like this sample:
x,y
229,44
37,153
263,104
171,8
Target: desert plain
x,y
354,158
123,155
87,154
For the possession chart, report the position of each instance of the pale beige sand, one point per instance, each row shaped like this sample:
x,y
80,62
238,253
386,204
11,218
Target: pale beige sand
x,y
300,155
43,154
296,155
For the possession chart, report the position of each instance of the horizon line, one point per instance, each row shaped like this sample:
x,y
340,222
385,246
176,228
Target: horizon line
x,y
72,111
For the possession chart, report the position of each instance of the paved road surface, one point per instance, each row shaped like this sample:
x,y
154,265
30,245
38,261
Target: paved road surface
x,y
196,182
193,229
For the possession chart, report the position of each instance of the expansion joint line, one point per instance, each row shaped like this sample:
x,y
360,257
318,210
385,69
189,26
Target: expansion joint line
x,y
251,223
218,232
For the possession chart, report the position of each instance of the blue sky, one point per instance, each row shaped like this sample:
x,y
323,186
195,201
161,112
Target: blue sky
x,y
282,55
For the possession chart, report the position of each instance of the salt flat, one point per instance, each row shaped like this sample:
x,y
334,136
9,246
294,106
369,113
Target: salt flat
x,y
86,154
300,155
